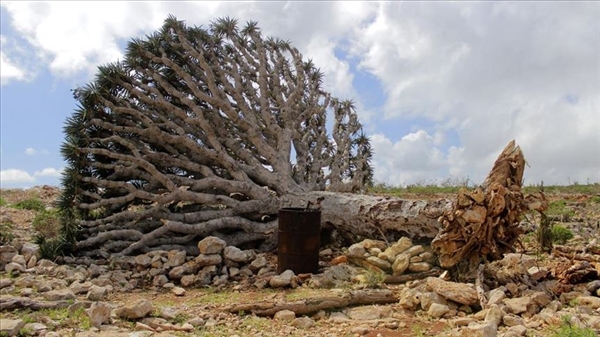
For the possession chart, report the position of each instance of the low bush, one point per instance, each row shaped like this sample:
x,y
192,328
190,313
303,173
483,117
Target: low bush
x,y
33,204
560,234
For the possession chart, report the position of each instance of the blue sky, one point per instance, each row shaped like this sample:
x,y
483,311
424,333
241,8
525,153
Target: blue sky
x,y
440,87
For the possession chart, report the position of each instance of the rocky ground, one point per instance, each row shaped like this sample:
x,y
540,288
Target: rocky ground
x,y
371,288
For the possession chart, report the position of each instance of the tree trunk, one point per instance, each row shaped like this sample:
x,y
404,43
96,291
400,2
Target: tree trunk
x,y
310,305
346,218
484,223
357,216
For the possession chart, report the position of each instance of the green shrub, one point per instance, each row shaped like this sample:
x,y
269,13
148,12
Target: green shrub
x,y
559,208
566,329
3,202
47,223
6,235
561,234
32,204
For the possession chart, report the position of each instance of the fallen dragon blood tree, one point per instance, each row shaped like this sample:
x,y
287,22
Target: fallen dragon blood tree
x,y
200,132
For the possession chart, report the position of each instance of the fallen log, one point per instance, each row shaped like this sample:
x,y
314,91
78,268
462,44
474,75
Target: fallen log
x,y
391,279
10,303
590,254
311,305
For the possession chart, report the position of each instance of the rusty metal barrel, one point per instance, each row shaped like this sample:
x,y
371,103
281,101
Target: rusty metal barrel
x,y
299,240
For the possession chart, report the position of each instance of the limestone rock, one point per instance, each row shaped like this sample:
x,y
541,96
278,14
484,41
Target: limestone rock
x,y
7,253
480,330
427,299
437,310
303,322
419,267
517,305
190,267
235,254
139,309
592,301
494,315
13,267
97,293
370,244
35,328
379,263
99,313
59,294
258,263
178,291
159,280
282,280
211,245
208,260
176,258
143,260
457,292
496,296
400,264
11,327
356,250
5,282
285,315
368,312
415,250
20,259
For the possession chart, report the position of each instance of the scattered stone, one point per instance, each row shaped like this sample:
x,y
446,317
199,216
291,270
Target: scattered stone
x,y
592,301
415,250
342,259
99,313
419,267
138,309
5,282
496,296
367,312
11,327
235,254
59,294
326,252
285,315
339,317
176,258
458,292
427,299
370,244
178,291
211,245
519,330
517,305
379,263
97,293
400,264
143,260
437,310
208,260
512,320
485,329
34,329
494,315
356,250
303,322
13,267
282,280
258,263
160,280
463,321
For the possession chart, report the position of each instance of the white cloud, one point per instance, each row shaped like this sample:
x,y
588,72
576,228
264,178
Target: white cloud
x,y
10,71
11,176
48,172
494,72
22,178
487,72
414,158
31,151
